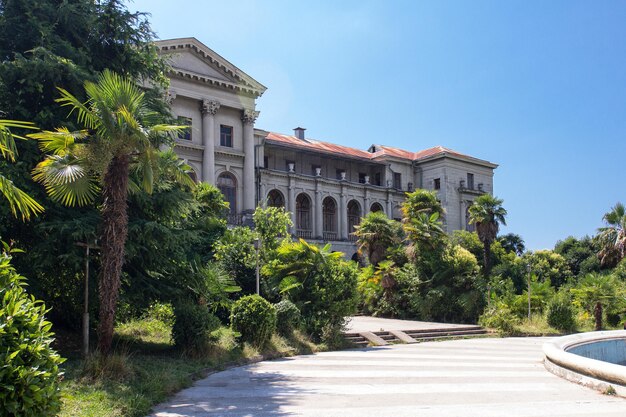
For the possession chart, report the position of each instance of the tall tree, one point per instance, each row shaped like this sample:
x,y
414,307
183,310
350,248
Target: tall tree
x,y
375,235
612,237
487,214
121,133
512,242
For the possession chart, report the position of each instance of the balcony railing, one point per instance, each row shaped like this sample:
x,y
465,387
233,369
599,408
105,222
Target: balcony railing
x,y
234,219
352,237
328,236
304,234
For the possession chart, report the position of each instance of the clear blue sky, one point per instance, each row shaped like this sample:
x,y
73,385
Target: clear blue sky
x,y
537,87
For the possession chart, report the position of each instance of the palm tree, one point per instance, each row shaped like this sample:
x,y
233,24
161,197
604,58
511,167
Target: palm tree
x,y
375,235
421,201
19,201
487,214
612,238
512,242
121,133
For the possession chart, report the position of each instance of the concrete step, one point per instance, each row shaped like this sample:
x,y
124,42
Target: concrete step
x,y
385,337
420,335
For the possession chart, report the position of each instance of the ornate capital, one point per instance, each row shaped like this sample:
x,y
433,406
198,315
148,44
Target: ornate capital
x,y
170,97
249,116
210,106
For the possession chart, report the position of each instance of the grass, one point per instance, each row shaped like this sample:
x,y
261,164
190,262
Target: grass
x,y
146,369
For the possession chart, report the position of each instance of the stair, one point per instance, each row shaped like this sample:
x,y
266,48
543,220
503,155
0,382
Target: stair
x,y
423,335
458,332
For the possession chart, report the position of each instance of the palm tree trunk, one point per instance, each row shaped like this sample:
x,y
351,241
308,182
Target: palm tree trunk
x,y
487,258
113,239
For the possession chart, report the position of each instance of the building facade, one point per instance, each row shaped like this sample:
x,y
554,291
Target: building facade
x,y
326,187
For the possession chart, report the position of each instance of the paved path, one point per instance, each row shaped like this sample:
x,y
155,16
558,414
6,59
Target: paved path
x,y
375,324
464,378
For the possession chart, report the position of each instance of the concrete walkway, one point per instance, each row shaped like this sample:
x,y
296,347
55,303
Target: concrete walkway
x,y
464,378
358,324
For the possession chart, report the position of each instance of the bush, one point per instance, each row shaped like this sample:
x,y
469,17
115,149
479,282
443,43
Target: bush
x,y
501,318
288,317
29,374
254,318
318,281
561,314
193,324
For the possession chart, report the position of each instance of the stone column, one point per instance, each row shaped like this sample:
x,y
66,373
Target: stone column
x,y
343,214
318,211
209,108
389,205
248,117
291,203
366,202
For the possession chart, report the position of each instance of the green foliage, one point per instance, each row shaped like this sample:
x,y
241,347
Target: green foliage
x,y
549,265
501,318
235,253
318,281
192,326
541,292
377,235
612,237
579,254
272,225
254,318
30,374
288,317
561,314
44,45
605,289
419,202
512,243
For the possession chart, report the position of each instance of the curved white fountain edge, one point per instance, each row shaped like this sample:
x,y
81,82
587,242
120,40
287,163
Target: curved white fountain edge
x,y
589,372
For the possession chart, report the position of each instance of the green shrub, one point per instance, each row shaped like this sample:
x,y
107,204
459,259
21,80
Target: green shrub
x,y
193,324
288,317
501,318
254,318
161,312
29,371
561,314
318,281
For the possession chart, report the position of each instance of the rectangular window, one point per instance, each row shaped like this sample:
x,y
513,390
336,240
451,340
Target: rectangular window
x,y
470,181
437,183
226,136
186,133
266,162
362,176
397,180
377,179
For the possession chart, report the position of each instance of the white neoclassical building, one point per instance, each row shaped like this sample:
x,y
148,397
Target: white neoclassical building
x,y
326,187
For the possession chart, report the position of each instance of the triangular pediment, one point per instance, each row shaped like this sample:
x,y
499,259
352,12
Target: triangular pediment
x,y
192,59
188,62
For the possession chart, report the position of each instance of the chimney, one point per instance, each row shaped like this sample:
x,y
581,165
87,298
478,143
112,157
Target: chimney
x,y
299,132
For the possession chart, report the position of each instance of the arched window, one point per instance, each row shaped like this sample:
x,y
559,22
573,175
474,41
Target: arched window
x,y
329,210
275,199
303,216
227,184
192,174
354,217
376,207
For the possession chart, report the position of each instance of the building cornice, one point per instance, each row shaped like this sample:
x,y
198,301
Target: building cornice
x,y
240,81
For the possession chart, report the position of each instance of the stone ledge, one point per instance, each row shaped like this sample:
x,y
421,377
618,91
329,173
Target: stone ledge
x,y
593,373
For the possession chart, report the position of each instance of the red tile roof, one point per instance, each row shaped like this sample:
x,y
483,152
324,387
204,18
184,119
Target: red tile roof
x,y
317,146
346,151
